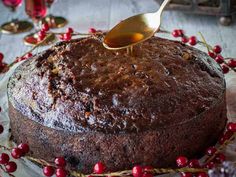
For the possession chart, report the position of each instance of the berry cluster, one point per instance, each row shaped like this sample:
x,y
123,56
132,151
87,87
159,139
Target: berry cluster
x,y
192,40
3,65
16,153
43,32
213,52
67,36
59,169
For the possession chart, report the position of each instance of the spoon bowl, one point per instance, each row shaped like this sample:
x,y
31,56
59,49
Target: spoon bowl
x,y
134,30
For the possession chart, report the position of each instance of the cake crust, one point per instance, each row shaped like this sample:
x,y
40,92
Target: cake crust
x,y
89,104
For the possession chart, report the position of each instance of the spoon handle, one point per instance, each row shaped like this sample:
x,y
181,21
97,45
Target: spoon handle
x,y
162,7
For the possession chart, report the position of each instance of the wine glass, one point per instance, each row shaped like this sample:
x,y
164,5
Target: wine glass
x,y
54,21
36,10
15,26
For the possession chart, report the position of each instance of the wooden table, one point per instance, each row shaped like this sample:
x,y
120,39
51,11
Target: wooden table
x,y
103,14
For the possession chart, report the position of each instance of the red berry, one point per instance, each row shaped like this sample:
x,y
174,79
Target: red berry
x,y
48,171
1,57
16,153
219,59
99,168
217,49
194,163
192,40
41,34
24,148
4,158
211,150
92,30
60,172
182,161
1,129
202,174
67,36
175,33
137,171
184,39
220,158
180,32
210,165
147,175
186,174
232,63
212,54
69,30
11,167
225,136
45,27
60,161
28,55
225,69
231,127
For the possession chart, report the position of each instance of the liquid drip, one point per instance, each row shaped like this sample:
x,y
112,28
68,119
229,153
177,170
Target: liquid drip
x,y
123,40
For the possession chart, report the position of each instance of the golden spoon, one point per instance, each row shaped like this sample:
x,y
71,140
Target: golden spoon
x,y
134,29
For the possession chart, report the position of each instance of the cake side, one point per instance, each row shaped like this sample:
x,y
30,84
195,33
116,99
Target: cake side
x,y
158,148
79,86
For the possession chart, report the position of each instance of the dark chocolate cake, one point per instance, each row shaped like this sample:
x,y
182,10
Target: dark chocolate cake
x,y
89,104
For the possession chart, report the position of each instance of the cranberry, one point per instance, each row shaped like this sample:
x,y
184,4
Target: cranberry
x,y
193,40
147,175
231,127
137,171
48,171
45,27
210,165
99,168
186,174
11,167
41,35
212,54
225,69
92,30
182,161
219,59
67,36
210,151
180,32
175,33
60,172
16,153
232,63
4,158
24,148
69,30
194,163
184,39
220,158
225,136
60,161
217,49
1,129
1,57
202,174
28,55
